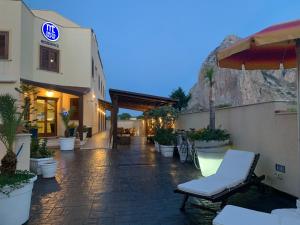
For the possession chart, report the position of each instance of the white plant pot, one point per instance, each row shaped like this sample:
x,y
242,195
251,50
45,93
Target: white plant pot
x,y
210,155
84,134
49,169
15,207
67,144
166,150
35,164
156,145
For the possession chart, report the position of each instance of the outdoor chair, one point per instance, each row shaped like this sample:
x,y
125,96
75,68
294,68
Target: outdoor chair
x,y
233,215
235,174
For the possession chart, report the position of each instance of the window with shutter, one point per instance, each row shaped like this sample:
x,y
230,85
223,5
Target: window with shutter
x,y
49,59
4,45
74,104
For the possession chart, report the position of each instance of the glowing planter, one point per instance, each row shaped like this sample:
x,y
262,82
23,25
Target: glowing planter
x,y
210,155
15,207
156,145
35,164
49,169
67,144
166,150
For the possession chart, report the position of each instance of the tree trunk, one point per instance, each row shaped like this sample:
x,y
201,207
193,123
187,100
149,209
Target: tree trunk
x,y
9,163
212,113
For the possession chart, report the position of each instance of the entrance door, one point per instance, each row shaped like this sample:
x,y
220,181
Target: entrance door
x,y
46,116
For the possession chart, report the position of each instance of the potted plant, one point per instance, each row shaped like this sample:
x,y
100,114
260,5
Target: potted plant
x,y
211,145
84,132
15,186
39,154
210,142
67,143
49,169
166,140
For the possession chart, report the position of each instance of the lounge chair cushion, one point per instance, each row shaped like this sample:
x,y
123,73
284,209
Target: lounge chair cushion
x,y
207,186
236,165
233,215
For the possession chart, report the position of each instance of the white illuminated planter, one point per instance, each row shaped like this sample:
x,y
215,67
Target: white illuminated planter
x,y
166,150
210,155
15,207
67,144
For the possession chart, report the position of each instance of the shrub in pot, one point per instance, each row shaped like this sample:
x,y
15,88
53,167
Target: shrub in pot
x,y
15,186
67,143
166,140
211,145
39,154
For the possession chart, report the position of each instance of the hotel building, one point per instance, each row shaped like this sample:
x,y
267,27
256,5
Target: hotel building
x,y
61,59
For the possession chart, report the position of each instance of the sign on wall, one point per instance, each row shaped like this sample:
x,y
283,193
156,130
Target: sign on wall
x,y
50,31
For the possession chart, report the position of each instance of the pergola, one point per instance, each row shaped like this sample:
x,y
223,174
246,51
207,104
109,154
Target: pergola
x,y
133,101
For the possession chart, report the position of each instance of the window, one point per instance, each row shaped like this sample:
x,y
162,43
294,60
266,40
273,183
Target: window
x,y
49,59
4,45
74,104
93,71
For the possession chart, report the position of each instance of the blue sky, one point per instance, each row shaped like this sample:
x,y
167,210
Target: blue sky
x,y
154,46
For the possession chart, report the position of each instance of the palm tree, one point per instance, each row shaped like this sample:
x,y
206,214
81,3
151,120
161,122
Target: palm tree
x,y
209,77
11,120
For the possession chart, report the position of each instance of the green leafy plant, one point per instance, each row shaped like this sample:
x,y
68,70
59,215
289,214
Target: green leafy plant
x,y
165,136
39,149
207,134
11,120
29,94
124,116
10,183
164,116
66,118
182,98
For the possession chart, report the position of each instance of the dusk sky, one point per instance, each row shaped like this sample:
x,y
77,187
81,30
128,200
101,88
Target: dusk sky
x,y
155,46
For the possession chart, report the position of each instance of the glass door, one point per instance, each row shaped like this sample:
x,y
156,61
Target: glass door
x,y
46,116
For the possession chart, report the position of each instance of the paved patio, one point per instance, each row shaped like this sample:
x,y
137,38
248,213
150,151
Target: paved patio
x,y
131,186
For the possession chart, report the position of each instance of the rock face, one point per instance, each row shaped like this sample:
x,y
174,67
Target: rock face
x,y
237,87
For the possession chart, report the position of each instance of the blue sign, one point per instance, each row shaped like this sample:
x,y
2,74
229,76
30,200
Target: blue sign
x,y
50,31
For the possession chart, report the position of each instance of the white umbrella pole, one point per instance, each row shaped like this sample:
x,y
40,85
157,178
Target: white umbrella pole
x,y
298,108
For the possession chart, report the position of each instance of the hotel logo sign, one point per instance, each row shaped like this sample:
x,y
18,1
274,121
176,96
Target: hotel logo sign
x,y
50,31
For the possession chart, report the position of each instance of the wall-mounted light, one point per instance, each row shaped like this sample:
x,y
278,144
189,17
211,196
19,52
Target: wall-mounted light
x,y
94,96
49,93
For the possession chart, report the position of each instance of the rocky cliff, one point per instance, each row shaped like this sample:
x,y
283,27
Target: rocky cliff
x,y
235,87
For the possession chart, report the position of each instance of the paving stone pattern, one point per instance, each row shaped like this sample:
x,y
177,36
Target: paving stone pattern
x,y
129,186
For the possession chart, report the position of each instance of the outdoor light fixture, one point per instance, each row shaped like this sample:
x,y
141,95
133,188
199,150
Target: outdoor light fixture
x,y
94,96
49,93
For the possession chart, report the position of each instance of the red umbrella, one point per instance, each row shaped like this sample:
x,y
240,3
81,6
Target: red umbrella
x,y
268,49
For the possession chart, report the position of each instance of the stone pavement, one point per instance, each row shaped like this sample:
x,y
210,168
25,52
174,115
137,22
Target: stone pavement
x,y
129,186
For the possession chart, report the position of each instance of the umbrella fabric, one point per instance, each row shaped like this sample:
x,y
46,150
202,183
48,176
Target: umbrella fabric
x,y
266,49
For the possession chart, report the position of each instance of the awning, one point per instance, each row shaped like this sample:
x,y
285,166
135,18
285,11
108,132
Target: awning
x,y
78,91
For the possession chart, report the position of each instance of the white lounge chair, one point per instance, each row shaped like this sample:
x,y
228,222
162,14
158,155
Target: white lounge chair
x,y
233,215
235,174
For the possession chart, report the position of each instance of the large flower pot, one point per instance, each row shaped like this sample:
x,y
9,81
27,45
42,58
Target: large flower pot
x,y
49,169
67,144
156,145
35,164
210,155
166,150
15,207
